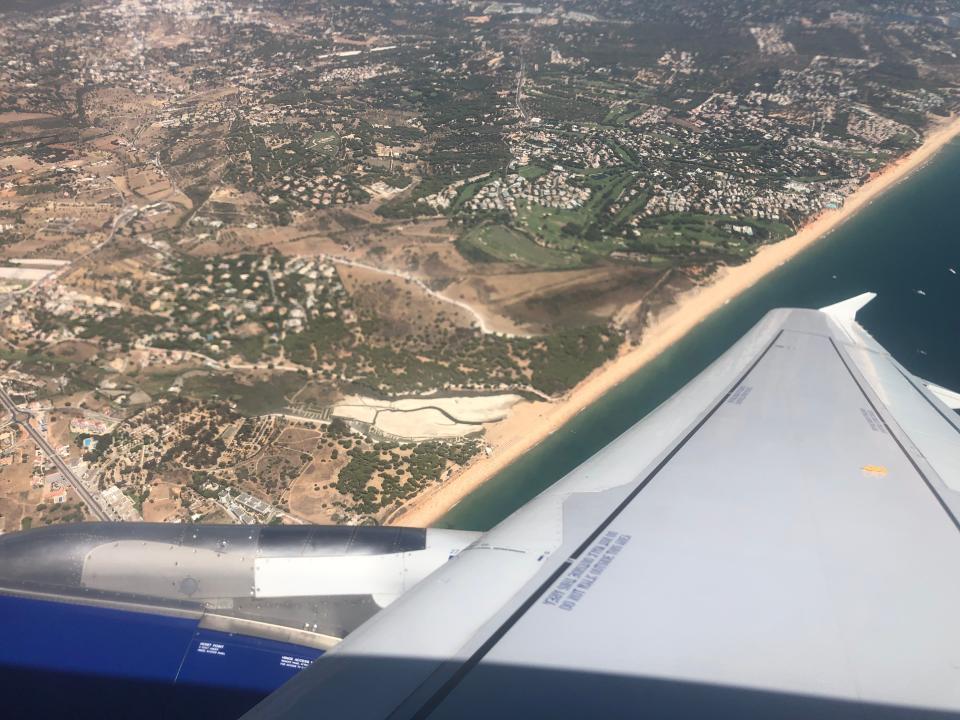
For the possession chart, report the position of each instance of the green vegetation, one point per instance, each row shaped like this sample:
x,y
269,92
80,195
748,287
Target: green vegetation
x,y
326,143
497,242
407,206
121,328
380,476
251,398
547,225
531,172
103,444
309,345
568,357
396,181
705,236
37,189
470,359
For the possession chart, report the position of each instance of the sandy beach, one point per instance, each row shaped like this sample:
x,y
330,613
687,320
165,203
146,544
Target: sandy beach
x,y
529,423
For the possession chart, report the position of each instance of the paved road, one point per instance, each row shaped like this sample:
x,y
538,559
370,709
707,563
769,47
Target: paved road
x,y
22,418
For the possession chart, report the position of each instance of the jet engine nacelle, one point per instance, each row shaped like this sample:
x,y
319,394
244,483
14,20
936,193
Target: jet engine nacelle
x,y
324,579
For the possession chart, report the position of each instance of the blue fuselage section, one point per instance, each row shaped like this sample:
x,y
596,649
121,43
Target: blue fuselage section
x,y
61,659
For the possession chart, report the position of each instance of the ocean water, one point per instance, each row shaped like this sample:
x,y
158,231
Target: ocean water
x,y
905,242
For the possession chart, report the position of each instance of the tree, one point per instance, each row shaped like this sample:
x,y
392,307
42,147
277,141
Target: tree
x,y
593,234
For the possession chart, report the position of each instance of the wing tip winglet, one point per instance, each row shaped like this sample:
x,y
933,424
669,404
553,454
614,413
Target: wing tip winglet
x,y
950,398
848,309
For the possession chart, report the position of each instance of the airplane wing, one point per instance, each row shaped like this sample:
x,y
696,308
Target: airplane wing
x,y
779,539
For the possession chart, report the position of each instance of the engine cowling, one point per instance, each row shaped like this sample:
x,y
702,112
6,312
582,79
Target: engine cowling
x,y
321,580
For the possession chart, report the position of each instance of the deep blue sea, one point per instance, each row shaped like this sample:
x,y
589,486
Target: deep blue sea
x,y
906,241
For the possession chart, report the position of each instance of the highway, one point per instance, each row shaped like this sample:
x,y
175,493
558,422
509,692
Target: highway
x,y
520,79
22,418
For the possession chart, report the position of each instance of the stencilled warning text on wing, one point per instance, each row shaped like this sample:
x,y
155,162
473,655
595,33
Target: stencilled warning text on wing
x,y
739,395
576,583
873,420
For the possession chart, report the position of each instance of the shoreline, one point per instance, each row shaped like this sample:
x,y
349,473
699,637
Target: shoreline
x,y
531,422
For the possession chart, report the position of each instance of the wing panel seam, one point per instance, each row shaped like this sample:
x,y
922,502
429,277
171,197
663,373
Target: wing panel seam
x,y
433,702
903,449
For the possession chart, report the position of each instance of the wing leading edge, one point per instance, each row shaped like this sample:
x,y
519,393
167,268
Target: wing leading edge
x,y
779,538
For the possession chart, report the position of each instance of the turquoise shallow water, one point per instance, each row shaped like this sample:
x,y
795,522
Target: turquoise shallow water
x,y
904,242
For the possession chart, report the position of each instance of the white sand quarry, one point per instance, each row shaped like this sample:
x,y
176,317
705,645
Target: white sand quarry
x,y
426,418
